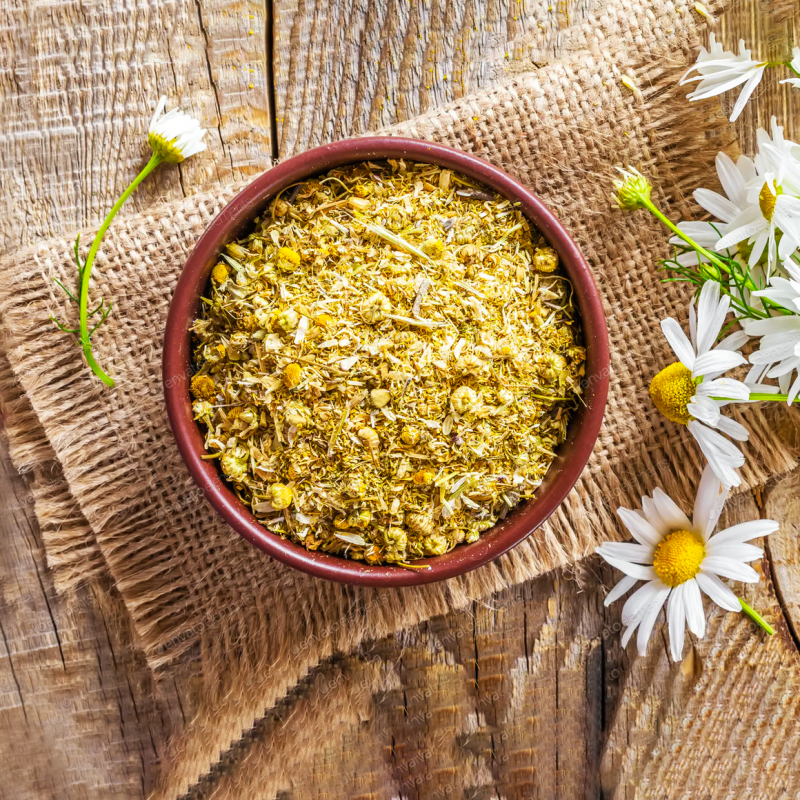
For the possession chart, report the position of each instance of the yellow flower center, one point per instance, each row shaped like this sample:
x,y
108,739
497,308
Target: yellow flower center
x,y
767,200
678,557
672,390
165,148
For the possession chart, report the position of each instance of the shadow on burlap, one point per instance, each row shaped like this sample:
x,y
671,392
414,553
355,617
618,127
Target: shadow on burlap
x,y
192,586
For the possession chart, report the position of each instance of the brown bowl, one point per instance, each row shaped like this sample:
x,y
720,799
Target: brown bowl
x,y
570,459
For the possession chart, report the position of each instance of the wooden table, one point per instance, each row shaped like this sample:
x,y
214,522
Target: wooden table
x,y
525,695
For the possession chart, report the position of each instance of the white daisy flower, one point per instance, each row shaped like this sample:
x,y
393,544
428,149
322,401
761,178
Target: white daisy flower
x,y
778,354
684,392
175,136
719,70
770,205
794,65
679,559
734,178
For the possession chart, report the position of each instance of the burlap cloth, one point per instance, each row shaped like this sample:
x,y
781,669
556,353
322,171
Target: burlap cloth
x,y
116,497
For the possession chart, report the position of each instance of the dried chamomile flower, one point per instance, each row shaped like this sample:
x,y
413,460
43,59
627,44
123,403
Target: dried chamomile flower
x,y
387,362
203,388
545,259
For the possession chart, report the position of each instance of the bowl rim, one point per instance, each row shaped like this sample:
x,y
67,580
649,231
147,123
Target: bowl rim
x,y
572,456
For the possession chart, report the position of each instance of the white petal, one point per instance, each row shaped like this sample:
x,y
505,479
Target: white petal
x,y
716,204
733,429
728,568
652,516
638,571
162,101
628,551
738,552
640,529
716,361
783,324
680,345
731,179
626,584
692,258
785,366
708,503
676,618
704,409
693,603
626,635
740,234
794,391
745,531
717,591
734,341
669,511
649,619
724,387
719,453
759,244
711,311
638,603
748,89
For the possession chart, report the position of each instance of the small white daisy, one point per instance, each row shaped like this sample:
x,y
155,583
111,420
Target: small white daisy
x,y
734,178
770,205
175,136
719,70
680,558
684,392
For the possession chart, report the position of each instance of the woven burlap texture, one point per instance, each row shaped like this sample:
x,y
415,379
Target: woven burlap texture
x,y
191,585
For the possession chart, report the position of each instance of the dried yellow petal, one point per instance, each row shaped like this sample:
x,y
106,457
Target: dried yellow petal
x,y
280,496
203,387
288,257
220,273
292,375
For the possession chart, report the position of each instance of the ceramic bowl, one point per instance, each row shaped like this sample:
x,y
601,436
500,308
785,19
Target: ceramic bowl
x,y
236,217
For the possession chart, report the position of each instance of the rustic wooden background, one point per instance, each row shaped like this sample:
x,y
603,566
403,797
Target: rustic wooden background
x,y
526,695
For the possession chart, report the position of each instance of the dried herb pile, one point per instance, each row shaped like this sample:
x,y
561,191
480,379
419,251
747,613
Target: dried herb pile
x,y
387,362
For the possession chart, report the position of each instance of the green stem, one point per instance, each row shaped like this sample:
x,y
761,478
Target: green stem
x,y
712,257
789,64
756,617
154,161
758,397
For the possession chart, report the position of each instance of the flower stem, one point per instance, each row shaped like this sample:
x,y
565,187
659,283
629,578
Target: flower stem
x,y
758,397
154,161
789,64
756,617
712,257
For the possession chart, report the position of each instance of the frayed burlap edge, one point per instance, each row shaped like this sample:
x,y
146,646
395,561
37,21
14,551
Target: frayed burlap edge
x,y
70,546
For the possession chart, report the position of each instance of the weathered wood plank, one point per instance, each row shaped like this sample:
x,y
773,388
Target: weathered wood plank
x,y
80,716
78,86
345,67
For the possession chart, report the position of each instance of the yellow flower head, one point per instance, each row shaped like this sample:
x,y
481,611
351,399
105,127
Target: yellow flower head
x,y
767,200
174,136
220,273
678,557
203,387
672,390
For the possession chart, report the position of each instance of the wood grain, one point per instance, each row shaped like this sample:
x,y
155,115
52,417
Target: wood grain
x,y
342,68
78,85
79,714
